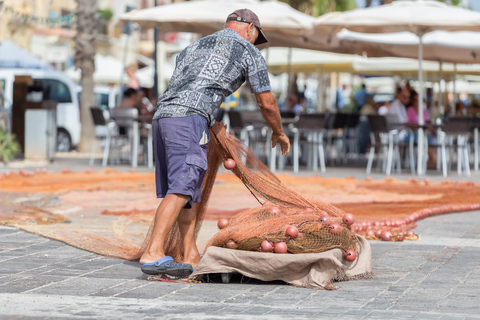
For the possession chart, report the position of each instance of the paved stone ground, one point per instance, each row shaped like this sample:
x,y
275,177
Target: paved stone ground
x,y
437,277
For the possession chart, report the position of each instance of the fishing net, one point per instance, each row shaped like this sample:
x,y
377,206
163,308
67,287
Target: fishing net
x,y
319,224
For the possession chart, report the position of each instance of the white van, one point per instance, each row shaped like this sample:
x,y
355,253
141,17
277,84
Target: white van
x,y
61,89
106,97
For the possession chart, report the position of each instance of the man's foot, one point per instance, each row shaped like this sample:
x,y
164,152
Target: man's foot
x,y
148,258
167,266
192,260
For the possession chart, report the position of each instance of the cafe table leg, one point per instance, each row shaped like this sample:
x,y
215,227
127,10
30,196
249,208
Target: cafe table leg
x,y
475,148
135,143
150,147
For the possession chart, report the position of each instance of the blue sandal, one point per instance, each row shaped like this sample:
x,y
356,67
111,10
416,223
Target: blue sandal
x,y
167,266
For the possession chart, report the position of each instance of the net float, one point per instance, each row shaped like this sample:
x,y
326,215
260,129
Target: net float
x,y
370,233
350,255
291,232
325,219
387,236
400,237
378,233
335,228
275,210
410,233
229,164
266,246
222,223
231,244
348,219
280,247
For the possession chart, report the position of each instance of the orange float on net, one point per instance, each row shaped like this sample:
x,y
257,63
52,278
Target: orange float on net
x,y
335,228
348,219
350,255
222,223
280,247
229,164
291,232
266,246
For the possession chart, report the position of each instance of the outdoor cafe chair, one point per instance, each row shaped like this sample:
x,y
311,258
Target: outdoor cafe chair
x,y
386,141
250,127
309,131
129,120
455,132
475,127
105,129
335,124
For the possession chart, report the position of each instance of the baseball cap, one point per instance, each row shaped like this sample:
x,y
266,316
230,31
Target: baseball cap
x,y
248,16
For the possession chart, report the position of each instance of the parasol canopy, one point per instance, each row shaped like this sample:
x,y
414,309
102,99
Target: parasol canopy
x,y
418,17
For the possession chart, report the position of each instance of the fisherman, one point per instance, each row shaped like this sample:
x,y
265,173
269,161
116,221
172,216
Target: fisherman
x,y
206,72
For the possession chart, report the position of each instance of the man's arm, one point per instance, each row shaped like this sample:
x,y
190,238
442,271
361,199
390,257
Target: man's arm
x,y
269,108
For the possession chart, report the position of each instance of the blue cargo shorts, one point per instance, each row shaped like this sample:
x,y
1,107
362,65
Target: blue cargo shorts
x,y
180,146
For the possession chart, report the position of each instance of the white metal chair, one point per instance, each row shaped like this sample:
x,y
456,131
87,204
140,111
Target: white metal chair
x,y
312,128
388,142
104,131
455,133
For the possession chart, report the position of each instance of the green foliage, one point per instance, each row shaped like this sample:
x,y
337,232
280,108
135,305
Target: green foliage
x,y
9,147
319,7
452,2
107,14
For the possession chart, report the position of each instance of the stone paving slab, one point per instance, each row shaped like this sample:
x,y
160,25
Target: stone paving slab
x,y
414,280
434,278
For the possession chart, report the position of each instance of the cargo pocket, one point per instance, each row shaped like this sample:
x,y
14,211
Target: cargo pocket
x,y
197,161
197,168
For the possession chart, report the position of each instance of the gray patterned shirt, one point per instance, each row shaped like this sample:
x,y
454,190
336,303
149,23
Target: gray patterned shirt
x,y
209,70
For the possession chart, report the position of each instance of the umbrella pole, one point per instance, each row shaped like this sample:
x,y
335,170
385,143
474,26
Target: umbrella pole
x,y
454,106
440,78
155,59
421,106
289,70
320,103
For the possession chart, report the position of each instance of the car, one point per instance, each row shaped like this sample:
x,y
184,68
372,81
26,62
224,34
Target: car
x,y
57,86
106,97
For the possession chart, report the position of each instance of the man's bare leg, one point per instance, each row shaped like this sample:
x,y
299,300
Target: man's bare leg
x,y
186,223
165,217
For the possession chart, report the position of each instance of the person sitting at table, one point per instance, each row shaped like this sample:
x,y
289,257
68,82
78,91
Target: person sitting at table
x,y
412,110
131,98
396,112
293,105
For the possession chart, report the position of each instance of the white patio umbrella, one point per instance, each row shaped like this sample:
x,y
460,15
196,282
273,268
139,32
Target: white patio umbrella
x,y
455,47
307,61
407,67
418,17
108,69
281,23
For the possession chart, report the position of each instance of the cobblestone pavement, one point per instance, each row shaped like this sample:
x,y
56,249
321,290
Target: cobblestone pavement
x,y
437,277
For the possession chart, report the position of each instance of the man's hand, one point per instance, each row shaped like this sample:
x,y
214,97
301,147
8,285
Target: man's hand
x,y
268,105
284,142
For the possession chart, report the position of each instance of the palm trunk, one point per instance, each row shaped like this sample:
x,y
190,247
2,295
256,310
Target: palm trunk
x,y
85,60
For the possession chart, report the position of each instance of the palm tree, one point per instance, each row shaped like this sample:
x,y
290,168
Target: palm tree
x,y
84,59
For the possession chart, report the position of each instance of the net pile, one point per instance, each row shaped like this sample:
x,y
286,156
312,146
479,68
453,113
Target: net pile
x,y
318,222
